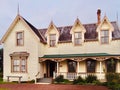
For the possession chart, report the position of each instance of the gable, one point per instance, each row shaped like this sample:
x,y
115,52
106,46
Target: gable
x,y
20,23
77,27
105,25
52,30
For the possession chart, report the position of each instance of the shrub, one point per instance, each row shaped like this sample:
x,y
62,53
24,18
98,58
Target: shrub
x,y
79,80
91,78
59,79
1,74
112,77
97,82
113,81
1,79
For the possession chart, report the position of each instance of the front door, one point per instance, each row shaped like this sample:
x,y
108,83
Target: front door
x,y
50,68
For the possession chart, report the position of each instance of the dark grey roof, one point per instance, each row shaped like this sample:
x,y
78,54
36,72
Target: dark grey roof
x,y
65,35
90,34
35,31
116,32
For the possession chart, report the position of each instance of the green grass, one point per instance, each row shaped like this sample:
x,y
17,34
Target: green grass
x,y
4,89
2,82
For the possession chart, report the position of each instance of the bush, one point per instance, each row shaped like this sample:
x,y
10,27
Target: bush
x,y
59,79
1,79
112,77
91,78
79,80
1,74
113,81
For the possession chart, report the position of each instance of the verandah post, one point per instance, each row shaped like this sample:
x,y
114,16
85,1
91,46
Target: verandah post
x,y
100,70
57,68
78,68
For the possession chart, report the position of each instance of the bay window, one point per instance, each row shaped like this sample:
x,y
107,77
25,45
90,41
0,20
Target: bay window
x,y
19,65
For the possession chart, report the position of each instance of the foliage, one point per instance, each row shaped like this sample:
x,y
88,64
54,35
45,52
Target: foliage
x,y
1,79
113,77
4,89
1,60
113,81
79,80
91,78
31,81
59,79
1,74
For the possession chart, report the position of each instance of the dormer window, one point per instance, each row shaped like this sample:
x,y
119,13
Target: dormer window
x,y
52,40
77,38
104,36
19,39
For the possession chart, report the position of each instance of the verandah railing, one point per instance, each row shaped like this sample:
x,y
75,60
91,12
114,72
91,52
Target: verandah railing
x,y
72,76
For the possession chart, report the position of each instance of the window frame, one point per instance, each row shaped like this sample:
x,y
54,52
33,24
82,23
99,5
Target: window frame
x,y
110,68
13,66
21,39
71,61
52,42
79,39
89,70
104,38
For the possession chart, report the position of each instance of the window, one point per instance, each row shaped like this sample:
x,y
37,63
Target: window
x,y
105,36
52,40
91,66
19,38
111,65
72,65
19,65
78,38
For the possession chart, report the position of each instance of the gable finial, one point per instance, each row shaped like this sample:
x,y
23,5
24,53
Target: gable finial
x,y
105,14
117,16
18,12
77,17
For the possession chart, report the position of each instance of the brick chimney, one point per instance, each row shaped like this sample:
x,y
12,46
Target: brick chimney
x,y
98,16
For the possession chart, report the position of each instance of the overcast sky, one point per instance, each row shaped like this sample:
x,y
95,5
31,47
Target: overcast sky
x,y
62,12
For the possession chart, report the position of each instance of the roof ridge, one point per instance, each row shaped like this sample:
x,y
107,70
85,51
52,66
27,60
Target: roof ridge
x,y
72,25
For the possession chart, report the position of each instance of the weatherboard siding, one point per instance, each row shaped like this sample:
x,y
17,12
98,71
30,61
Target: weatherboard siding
x,y
87,47
30,45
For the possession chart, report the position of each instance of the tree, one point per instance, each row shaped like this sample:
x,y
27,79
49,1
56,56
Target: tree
x,y
1,59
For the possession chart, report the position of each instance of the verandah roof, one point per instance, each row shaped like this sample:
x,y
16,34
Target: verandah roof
x,y
80,57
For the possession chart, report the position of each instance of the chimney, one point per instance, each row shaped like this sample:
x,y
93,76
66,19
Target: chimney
x,y
98,16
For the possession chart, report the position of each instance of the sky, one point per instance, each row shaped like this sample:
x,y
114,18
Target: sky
x,y
62,12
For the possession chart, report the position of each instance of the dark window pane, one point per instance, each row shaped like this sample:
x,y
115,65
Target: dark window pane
x,y
72,66
91,66
104,36
111,65
52,40
78,38
19,38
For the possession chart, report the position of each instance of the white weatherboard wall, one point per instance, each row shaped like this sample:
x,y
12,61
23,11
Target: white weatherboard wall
x,y
30,45
87,47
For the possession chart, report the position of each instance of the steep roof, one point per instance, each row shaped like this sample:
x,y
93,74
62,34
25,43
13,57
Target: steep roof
x,y
64,31
30,26
42,39
90,34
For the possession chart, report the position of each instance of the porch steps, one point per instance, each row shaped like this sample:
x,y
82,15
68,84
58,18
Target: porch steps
x,y
44,81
